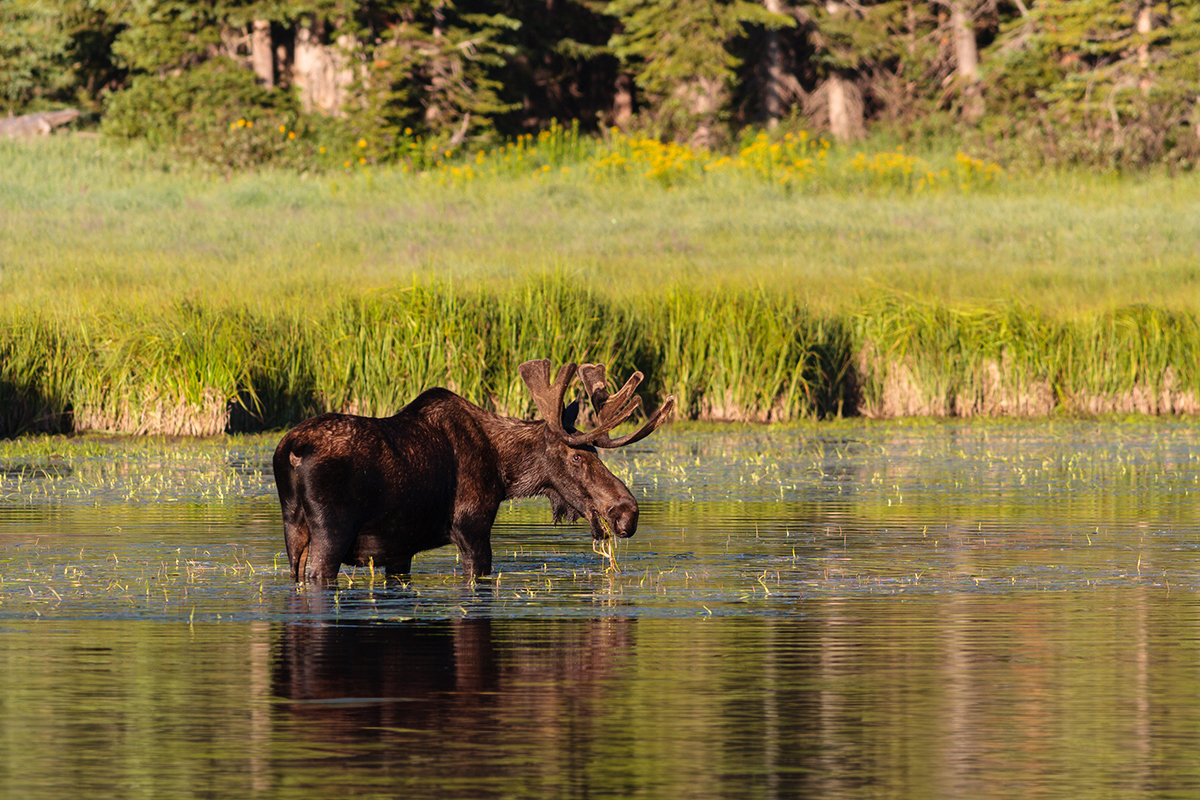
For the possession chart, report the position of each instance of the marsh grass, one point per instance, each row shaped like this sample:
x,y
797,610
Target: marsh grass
x,y
135,297
922,358
757,356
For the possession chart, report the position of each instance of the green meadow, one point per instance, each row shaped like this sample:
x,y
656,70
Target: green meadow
x,y
787,280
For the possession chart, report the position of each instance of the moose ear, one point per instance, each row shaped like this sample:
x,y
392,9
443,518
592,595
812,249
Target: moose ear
x,y
570,416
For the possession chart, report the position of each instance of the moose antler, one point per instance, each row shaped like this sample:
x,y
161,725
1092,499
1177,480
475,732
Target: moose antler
x,y
546,396
611,410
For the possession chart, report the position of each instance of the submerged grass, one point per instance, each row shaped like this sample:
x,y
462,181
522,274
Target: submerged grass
x,y
732,514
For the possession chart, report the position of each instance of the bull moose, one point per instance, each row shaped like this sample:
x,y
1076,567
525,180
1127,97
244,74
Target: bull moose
x,y
367,490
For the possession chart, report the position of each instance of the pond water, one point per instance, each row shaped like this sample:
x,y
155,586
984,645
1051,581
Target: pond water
x,y
850,610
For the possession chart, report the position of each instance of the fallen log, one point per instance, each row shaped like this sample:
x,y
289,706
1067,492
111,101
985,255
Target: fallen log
x,y
40,123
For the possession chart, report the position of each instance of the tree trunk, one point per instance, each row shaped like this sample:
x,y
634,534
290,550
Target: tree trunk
x,y
772,71
966,56
439,20
623,102
320,72
837,102
1145,24
262,54
38,124
839,115
703,97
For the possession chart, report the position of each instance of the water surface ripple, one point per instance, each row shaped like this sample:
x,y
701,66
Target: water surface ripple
x,y
851,610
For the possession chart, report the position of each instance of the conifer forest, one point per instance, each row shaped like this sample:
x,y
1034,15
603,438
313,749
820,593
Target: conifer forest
x,y
1104,83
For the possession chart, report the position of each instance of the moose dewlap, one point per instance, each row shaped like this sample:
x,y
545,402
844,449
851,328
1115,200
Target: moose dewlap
x,y
360,490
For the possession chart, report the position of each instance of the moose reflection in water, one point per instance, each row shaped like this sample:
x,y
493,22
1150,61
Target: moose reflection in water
x,y
369,491
399,698
548,707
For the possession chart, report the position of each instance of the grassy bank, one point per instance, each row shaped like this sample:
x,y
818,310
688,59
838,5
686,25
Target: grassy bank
x,y
139,298
725,355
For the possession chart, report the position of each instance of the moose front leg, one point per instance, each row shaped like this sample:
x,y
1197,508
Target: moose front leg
x,y
399,565
476,555
472,534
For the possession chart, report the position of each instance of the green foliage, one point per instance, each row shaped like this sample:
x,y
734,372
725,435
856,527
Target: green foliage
x,y
737,356
187,92
561,68
53,52
36,375
680,54
196,113
176,301
1081,82
930,358
1106,83
433,74
873,34
33,52
725,356
166,35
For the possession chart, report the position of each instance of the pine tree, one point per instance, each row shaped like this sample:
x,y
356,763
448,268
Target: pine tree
x,y
434,69
188,80
54,52
1109,82
680,54
563,67
33,52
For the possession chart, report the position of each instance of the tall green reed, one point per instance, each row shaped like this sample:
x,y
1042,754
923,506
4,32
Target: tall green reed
x,y
746,355
552,317
37,375
371,354
174,372
928,358
735,355
1135,359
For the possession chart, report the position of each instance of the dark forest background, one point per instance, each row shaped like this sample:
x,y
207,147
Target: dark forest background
x,y
1108,83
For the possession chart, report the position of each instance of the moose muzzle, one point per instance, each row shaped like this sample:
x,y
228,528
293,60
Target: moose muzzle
x,y
620,519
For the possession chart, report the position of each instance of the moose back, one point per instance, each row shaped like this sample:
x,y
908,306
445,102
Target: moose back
x,y
361,490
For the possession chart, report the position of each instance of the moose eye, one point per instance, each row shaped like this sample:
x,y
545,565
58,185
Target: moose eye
x,y
576,458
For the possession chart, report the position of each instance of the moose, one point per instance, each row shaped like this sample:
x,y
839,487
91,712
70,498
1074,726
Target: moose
x,y
378,490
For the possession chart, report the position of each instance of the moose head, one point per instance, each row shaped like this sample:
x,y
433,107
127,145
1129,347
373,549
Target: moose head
x,y
579,485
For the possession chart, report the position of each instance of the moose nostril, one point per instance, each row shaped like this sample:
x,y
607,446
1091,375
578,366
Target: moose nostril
x,y
624,517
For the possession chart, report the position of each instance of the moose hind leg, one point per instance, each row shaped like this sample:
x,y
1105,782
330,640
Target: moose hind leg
x,y
399,565
296,535
331,536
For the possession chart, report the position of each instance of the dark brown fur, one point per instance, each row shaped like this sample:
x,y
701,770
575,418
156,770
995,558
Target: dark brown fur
x,y
360,490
